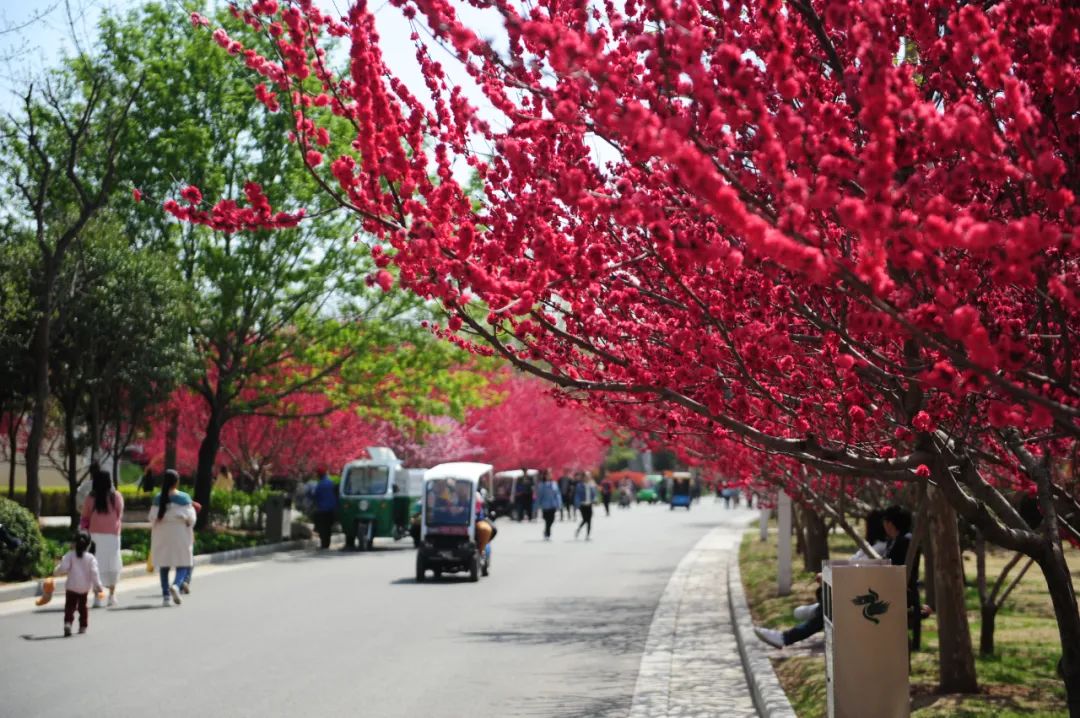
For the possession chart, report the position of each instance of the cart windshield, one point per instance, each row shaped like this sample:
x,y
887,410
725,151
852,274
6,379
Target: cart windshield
x,y
366,480
449,502
504,488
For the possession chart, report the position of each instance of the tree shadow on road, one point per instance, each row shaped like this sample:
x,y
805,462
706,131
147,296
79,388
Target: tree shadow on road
x,y
573,704
338,554
616,626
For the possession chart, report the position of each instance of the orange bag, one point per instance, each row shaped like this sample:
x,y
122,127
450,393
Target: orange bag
x,y
47,588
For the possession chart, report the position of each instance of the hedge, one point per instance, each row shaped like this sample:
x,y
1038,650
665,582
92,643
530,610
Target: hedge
x,y
236,509
22,563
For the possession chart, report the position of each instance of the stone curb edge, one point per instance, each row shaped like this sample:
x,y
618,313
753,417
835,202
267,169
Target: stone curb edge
x,y
29,589
769,698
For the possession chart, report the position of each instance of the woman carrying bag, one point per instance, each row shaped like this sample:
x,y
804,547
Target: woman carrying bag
x,y
172,519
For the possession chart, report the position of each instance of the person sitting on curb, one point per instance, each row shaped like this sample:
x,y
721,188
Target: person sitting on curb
x,y
888,533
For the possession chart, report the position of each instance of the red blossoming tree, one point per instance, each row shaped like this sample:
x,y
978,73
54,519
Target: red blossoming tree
x,y
528,428
840,233
307,431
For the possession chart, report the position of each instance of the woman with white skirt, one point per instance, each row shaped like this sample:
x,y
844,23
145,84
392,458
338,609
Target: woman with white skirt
x,y
102,514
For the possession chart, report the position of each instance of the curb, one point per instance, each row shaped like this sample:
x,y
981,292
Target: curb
x,y
769,698
690,664
29,589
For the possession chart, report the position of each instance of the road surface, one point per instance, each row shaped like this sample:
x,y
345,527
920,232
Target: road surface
x,y
558,630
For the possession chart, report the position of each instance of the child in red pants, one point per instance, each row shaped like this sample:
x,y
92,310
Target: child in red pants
x,y
81,569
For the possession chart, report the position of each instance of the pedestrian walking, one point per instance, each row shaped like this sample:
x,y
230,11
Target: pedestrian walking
x,y
523,499
584,498
102,516
224,480
550,501
146,481
605,494
172,537
569,488
325,496
81,569
185,587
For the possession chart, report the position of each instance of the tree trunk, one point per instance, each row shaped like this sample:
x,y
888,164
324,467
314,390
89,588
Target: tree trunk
x,y
817,540
204,477
33,450
988,613
39,357
928,572
956,659
71,458
171,435
797,528
13,461
1063,596
12,464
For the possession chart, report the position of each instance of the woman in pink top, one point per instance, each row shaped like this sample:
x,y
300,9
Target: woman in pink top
x,y
102,513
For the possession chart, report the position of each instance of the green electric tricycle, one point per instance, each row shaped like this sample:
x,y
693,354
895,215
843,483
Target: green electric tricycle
x,y
378,496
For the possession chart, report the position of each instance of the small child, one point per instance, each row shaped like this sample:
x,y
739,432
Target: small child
x,y
81,569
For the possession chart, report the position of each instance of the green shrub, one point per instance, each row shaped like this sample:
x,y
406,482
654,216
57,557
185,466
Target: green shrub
x,y
54,500
22,563
247,514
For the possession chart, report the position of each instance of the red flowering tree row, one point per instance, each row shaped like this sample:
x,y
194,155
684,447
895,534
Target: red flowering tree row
x,y
837,232
520,425
261,446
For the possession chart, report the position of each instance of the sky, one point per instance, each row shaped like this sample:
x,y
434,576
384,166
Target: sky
x,y
35,34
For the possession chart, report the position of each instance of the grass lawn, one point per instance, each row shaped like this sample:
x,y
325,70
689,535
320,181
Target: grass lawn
x,y
1020,680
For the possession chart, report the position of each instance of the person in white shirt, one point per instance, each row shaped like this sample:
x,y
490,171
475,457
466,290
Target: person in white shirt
x,y
81,569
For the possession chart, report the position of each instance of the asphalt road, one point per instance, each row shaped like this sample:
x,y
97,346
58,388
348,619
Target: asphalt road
x,y
557,630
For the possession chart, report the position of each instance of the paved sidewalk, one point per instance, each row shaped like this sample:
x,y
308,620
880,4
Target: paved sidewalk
x,y
691,666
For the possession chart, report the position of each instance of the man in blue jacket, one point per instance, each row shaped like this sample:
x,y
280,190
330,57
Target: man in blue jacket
x,y
325,496
550,501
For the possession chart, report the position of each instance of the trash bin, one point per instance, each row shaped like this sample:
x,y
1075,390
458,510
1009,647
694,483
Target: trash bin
x,y
278,518
866,641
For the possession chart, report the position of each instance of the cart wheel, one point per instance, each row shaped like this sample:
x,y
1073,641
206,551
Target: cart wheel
x,y
371,541
350,542
419,570
474,569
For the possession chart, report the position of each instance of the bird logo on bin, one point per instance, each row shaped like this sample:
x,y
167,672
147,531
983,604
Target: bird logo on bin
x,y
872,607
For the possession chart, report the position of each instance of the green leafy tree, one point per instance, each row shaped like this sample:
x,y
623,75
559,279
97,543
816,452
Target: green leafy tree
x,y
120,346
275,313
59,165
17,255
